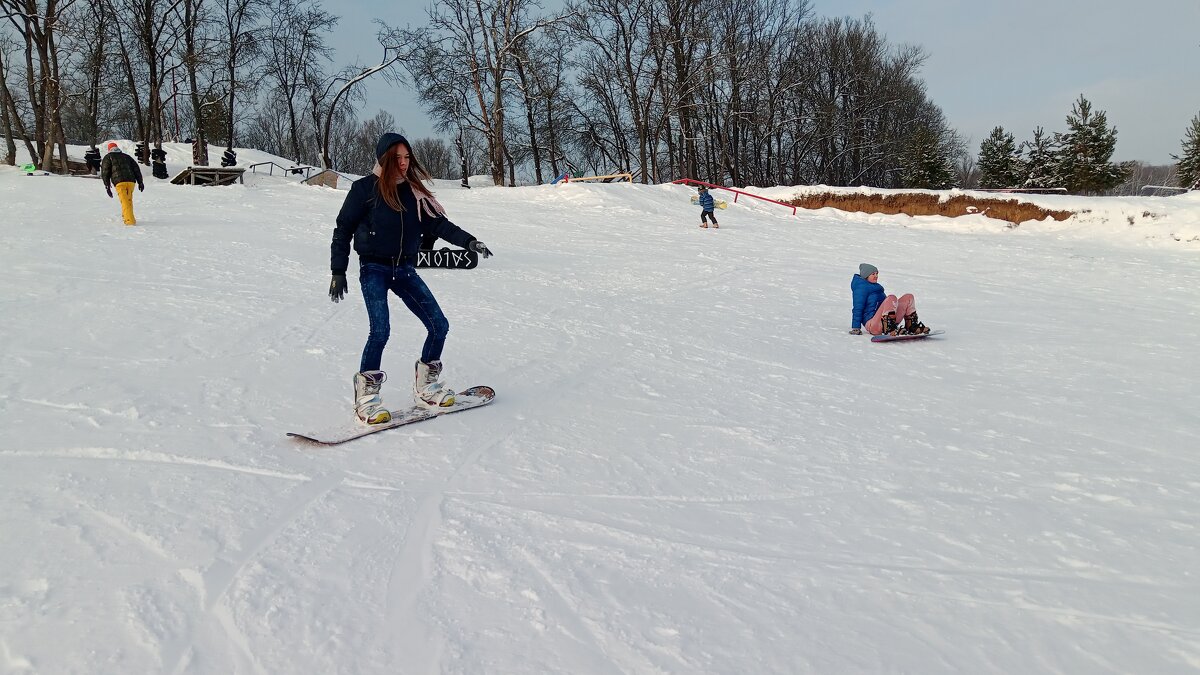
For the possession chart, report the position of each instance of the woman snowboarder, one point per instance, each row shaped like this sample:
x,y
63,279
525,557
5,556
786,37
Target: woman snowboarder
x,y
386,214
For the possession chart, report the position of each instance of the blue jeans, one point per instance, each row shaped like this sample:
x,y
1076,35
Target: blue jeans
x,y
376,280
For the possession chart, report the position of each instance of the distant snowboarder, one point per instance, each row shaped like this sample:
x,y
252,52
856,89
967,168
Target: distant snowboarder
x,y
386,214
706,208
120,169
870,300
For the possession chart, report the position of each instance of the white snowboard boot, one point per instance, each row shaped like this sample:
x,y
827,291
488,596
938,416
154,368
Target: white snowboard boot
x,y
428,388
368,406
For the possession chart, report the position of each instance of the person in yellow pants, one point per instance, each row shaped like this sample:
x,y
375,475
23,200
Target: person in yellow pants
x,y
121,169
125,194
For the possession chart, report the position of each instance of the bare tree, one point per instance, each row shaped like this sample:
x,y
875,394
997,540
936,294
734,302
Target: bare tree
x,y
240,32
155,32
38,24
87,73
196,28
359,154
553,99
527,86
471,46
296,54
618,33
436,156
10,114
683,42
269,131
392,42
742,91
966,171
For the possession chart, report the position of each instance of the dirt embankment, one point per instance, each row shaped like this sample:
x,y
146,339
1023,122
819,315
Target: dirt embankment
x,y
921,204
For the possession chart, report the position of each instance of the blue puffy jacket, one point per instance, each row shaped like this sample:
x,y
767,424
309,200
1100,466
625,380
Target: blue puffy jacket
x,y
706,201
867,299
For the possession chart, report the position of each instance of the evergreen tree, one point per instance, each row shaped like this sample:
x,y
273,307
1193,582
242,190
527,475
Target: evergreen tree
x,y
1189,161
1085,150
1041,162
1000,163
929,162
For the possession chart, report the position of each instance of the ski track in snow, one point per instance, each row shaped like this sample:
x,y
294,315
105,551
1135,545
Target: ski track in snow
x,y
689,468
215,581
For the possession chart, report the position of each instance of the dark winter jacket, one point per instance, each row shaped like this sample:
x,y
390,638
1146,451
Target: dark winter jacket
x,y
867,299
118,168
706,201
380,232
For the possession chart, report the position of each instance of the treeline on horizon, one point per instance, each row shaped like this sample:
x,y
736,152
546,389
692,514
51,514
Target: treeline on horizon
x,y
746,92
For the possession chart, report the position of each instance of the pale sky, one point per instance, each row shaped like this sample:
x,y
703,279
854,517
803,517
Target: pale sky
x,y
1012,63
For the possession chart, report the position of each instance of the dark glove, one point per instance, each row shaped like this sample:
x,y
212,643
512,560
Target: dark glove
x,y
856,331
478,247
141,187
337,287
109,191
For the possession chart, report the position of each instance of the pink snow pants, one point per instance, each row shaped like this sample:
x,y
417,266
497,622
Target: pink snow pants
x,y
905,305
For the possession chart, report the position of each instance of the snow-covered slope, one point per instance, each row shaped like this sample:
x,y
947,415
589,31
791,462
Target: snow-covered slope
x,y
690,466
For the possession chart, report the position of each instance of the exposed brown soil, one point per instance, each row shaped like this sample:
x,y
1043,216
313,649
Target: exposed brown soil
x,y
923,204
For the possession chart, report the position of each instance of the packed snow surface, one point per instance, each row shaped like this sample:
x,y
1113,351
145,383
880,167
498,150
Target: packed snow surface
x,y
690,466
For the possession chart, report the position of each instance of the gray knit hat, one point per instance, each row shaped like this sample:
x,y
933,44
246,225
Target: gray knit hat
x,y
866,269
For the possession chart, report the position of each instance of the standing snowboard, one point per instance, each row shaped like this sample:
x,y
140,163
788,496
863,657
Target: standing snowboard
x,y
463,400
893,338
447,258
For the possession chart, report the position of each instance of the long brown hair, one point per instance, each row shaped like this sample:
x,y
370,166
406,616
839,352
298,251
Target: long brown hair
x,y
389,177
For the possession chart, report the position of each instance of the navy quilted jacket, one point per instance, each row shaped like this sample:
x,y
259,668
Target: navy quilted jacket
x,y
377,230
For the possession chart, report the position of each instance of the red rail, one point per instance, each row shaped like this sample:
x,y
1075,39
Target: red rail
x,y
736,193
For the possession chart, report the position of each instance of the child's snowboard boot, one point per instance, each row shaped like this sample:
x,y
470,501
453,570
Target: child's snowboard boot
x,y
913,325
428,388
368,406
889,324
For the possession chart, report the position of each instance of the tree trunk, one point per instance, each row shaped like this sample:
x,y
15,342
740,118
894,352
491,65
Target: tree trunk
x,y
35,101
294,128
512,168
8,117
94,93
126,61
191,63
529,105
499,147
229,113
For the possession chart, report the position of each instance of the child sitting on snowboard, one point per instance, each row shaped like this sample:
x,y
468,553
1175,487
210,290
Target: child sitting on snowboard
x,y
706,208
871,301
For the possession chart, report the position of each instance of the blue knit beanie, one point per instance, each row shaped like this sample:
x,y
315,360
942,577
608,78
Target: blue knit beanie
x,y
386,141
